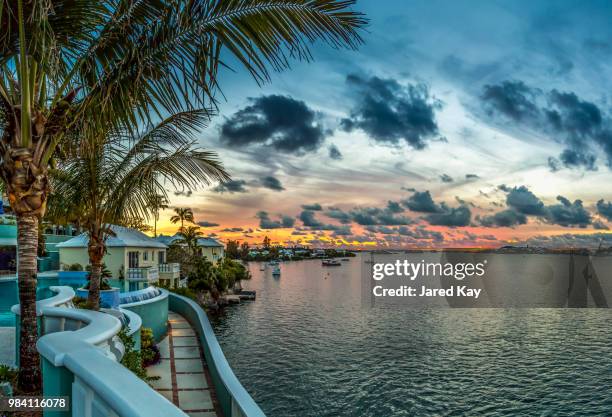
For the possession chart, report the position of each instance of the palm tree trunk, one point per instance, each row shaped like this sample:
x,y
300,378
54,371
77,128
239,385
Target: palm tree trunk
x,y
29,360
95,249
155,217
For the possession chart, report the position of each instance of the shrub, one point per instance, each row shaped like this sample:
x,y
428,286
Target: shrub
x,y
80,302
132,359
148,350
104,285
75,267
8,374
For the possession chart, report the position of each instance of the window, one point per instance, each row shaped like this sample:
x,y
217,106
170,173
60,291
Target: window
x,y
153,256
161,257
133,259
145,255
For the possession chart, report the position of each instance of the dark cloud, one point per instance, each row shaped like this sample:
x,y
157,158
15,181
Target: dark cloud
x,y
523,201
568,214
334,152
309,220
186,193
600,225
576,159
420,232
207,224
265,222
450,216
313,207
392,113
573,116
381,229
446,178
422,202
581,125
231,186
233,229
280,122
506,218
341,216
604,209
512,99
272,183
394,207
471,176
369,216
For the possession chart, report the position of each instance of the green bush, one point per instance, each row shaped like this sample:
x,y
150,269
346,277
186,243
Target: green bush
x,y
80,302
148,350
75,267
132,359
8,374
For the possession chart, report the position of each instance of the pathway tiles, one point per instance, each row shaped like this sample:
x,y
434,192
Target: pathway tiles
x,y
184,377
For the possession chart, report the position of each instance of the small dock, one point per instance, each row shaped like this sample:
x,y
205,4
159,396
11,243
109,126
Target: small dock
x,y
237,297
183,375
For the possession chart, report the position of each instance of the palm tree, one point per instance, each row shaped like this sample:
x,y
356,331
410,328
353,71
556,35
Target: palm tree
x,y
189,237
182,215
116,179
90,64
159,203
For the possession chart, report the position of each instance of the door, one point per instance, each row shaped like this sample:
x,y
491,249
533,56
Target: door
x,y
133,259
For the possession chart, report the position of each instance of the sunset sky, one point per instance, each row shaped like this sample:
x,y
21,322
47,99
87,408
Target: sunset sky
x,y
451,126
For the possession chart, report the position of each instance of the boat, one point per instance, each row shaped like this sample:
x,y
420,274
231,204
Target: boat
x,y
262,268
344,259
276,271
330,262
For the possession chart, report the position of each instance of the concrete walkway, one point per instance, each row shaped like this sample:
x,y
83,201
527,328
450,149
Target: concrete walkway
x,y
184,377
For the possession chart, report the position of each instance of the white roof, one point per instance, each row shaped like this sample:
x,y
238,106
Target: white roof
x,y
124,237
203,241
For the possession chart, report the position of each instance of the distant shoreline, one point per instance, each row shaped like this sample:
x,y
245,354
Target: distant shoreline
x,y
505,250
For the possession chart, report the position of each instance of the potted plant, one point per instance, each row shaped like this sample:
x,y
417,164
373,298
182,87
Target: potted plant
x,y
109,296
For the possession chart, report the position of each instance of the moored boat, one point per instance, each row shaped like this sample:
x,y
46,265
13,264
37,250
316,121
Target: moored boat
x,y
330,262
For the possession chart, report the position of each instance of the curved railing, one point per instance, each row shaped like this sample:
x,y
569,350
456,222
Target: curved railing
x,y
82,363
92,327
235,401
62,298
153,311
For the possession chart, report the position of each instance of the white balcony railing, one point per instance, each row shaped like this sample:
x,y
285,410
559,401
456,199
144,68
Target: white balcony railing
x,y
173,267
148,273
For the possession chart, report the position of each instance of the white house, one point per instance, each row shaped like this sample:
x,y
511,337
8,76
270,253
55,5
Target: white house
x,y
130,254
210,248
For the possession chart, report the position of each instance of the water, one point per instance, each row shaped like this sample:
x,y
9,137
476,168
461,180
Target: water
x,y
9,294
306,347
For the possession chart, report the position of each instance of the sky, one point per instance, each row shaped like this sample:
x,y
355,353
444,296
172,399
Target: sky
x,y
455,124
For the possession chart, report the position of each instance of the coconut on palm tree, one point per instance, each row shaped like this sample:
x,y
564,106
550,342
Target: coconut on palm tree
x,y
114,179
76,66
182,215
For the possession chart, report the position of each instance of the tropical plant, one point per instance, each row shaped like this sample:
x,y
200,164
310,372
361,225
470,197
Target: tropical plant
x,y
115,178
189,236
73,66
182,215
132,358
158,203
